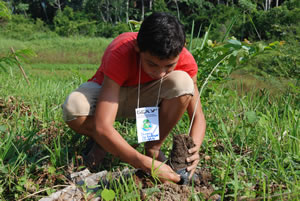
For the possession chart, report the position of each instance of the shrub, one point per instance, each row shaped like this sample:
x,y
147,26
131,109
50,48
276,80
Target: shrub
x,y
68,23
108,30
22,28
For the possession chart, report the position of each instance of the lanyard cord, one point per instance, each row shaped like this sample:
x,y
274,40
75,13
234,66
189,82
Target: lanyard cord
x,y
158,92
139,87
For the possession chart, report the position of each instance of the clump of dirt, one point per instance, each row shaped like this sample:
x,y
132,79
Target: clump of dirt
x,y
181,144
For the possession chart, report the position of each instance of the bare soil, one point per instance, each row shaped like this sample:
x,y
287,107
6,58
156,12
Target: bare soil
x,y
200,185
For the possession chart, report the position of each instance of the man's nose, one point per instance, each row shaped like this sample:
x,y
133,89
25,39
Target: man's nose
x,y
162,73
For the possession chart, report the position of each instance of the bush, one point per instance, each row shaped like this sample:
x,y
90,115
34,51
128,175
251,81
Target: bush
x,y
108,30
283,62
68,23
22,28
273,24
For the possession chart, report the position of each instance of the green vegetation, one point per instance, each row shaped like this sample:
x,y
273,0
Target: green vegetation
x,y
255,20
255,130
251,102
79,50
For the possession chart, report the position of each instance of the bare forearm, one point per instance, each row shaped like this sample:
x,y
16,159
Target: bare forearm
x,y
113,142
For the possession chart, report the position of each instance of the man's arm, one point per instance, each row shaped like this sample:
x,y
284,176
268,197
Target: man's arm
x,y
106,135
198,127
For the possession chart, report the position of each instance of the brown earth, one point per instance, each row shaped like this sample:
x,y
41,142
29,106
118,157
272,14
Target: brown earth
x,y
181,144
200,185
170,192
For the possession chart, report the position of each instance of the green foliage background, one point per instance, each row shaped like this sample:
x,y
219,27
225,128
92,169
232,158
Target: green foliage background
x,y
251,101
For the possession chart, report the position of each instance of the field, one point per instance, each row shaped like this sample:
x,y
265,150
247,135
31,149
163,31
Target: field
x,y
251,148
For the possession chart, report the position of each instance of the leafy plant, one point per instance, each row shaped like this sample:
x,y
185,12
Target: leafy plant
x,y
219,60
10,59
68,23
4,12
108,194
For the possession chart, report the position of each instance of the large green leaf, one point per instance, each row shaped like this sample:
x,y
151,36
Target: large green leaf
x,y
108,194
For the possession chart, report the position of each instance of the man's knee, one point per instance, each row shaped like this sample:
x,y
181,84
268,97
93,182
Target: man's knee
x,y
75,105
177,83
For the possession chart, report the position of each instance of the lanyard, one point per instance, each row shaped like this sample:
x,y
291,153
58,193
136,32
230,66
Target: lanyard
x,y
139,87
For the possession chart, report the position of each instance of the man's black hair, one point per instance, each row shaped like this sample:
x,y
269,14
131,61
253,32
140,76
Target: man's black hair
x,y
162,35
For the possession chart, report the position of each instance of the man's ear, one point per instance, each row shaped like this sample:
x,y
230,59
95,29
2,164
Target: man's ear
x,y
136,46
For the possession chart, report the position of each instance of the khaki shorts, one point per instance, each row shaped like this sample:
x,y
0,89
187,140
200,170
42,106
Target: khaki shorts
x,y
82,101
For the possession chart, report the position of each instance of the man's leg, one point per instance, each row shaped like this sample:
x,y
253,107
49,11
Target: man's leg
x,y
85,125
176,93
170,113
78,112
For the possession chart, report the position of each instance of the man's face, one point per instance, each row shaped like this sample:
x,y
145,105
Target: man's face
x,y
155,67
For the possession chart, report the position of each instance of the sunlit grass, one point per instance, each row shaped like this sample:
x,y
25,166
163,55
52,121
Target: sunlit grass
x,y
80,50
252,137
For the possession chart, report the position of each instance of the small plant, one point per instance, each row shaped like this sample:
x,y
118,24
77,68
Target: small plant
x,y
155,171
108,194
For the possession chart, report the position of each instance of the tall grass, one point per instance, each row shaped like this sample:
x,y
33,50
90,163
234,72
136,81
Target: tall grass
x,y
252,137
260,134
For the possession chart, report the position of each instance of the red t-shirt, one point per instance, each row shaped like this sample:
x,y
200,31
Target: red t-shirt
x,y
120,62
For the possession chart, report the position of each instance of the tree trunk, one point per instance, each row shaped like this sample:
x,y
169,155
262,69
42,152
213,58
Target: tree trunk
x,y
177,8
277,3
108,17
58,4
143,10
127,10
268,5
150,4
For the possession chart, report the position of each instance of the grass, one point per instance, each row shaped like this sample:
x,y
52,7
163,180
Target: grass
x,y
79,50
252,136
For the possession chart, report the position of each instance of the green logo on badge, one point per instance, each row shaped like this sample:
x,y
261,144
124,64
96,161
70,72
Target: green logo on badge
x,y
147,125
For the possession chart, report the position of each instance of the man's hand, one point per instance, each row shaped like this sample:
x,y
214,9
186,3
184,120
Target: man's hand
x,y
194,159
156,154
165,174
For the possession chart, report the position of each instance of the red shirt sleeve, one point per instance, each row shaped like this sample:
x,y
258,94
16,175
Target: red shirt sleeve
x,y
187,63
113,66
118,60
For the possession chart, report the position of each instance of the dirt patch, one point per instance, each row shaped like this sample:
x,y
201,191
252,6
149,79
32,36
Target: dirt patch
x,y
13,105
200,187
149,189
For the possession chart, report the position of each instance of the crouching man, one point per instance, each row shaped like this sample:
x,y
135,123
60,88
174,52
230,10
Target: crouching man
x,y
151,68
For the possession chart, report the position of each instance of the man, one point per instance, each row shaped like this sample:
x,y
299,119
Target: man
x,y
140,70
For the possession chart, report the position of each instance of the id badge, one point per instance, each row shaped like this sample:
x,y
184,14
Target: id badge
x,y
147,124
